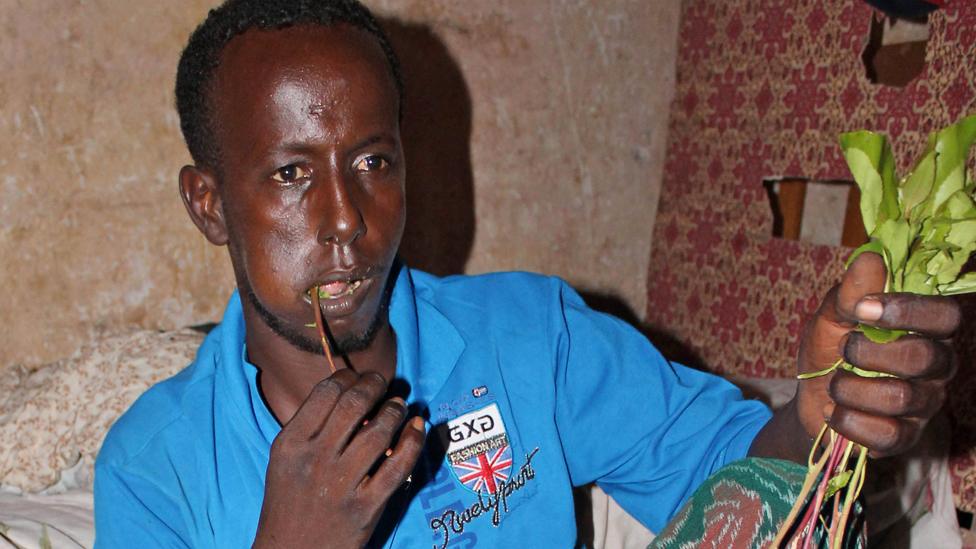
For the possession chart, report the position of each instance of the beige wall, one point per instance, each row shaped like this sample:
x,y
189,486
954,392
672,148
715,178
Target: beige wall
x,y
548,158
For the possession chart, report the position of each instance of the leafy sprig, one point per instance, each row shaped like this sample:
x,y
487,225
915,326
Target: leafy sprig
x,y
924,226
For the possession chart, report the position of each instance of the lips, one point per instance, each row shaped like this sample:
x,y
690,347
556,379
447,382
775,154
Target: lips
x,y
342,294
339,289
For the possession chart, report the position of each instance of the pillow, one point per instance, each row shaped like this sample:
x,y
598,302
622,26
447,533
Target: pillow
x,y
33,521
53,419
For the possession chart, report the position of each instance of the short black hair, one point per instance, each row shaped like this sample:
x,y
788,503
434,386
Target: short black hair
x,y
200,58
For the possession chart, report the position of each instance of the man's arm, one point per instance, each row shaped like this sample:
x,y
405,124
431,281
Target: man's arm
x,y
885,414
129,506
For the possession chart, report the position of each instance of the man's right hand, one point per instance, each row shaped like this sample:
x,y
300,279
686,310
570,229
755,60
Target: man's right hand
x,y
318,491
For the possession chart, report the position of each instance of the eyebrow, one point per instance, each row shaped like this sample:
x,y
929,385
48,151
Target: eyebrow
x,y
370,141
303,147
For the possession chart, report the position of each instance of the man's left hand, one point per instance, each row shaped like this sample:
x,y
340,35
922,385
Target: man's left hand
x,y
885,414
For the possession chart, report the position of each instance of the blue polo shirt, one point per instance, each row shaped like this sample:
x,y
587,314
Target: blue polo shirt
x,y
528,393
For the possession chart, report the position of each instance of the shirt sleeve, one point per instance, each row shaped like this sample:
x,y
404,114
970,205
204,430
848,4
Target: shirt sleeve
x,y
646,430
123,518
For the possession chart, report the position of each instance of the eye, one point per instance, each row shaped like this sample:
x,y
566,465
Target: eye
x,y
370,163
290,174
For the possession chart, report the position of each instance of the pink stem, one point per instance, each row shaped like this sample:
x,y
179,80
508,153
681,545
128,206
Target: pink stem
x,y
814,512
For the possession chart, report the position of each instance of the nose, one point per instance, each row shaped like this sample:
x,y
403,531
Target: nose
x,y
341,222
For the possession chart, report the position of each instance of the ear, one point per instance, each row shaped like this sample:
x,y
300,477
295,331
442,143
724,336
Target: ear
x,y
198,188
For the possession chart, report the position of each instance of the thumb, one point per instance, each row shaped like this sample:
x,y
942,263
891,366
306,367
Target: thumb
x,y
865,276
826,332
821,344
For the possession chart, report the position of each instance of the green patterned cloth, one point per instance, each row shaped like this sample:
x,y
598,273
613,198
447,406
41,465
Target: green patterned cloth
x,y
740,506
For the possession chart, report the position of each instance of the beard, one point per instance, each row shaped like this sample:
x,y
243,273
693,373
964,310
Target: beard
x,y
351,343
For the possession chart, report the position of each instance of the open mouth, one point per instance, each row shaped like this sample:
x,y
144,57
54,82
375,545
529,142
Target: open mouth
x,y
337,289
340,294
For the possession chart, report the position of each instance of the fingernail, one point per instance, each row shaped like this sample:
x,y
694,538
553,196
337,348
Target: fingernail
x,y
399,401
417,423
869,309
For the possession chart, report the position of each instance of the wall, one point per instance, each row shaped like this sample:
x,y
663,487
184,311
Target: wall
x,y
536,135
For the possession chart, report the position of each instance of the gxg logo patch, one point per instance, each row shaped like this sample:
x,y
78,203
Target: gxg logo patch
x,y
478,449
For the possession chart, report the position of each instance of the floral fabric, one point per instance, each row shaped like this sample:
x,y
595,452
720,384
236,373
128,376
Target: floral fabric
x,y
54,418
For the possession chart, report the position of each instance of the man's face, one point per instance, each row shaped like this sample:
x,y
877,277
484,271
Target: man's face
x,y
311,177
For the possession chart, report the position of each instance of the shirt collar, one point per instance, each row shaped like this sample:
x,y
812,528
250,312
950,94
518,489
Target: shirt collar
x,y
428,344
425,363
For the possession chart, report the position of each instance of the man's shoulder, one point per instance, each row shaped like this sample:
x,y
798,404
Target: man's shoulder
x,y
511,290
168,406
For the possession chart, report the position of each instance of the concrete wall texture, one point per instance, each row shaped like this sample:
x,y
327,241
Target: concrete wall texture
x,y
535,136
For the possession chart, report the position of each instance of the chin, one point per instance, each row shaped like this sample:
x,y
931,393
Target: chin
x,y
357,336
356,342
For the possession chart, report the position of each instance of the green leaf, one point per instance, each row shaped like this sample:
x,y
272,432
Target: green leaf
x,y
946,264
936,247
934,231
959,206
896,236
820,373
873,167
950,272
952,147
919,283
836,483
862,372
870,246
917,186
871,187
964,284
938,262
880,335
962,233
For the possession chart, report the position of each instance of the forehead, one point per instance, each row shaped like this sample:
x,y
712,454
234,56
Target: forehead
x,y
303,70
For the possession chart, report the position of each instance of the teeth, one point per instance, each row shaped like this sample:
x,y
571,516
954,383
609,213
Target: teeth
x,y
350,288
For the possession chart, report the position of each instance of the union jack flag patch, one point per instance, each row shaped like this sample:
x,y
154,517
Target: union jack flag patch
x,y
482,472
478,449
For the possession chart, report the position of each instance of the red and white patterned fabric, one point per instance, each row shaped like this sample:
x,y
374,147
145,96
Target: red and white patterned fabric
x,y
763,90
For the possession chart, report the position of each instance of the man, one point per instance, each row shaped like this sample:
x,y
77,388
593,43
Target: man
x,y
291,113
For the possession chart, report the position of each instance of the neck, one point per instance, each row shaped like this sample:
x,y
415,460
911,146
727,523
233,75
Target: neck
x,y
288,374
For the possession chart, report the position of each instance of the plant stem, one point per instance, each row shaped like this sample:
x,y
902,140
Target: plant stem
x,y
814,467
320,324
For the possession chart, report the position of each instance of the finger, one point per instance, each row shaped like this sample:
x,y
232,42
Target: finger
x,y
935,316
836,316
395,469
865,276
909,357
317,407
354,404
892,397
820,346
372,440
883,436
